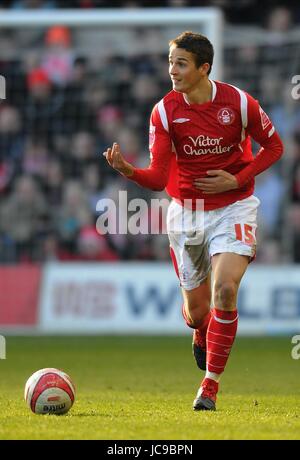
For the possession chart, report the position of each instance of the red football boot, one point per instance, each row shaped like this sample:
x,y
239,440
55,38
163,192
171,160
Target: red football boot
x,y
206,396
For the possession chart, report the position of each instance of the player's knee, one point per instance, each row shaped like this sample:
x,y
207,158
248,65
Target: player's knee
x,y
194,323
195,316
225,294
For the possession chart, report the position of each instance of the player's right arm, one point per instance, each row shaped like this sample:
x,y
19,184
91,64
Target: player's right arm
x,y
155,176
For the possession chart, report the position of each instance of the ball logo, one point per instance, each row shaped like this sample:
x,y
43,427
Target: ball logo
x,y
226,116
59,407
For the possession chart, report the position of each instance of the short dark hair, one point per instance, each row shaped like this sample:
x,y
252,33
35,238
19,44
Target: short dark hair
x,y
197,44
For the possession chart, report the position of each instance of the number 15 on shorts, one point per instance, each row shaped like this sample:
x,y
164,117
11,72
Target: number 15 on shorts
x,y
245,233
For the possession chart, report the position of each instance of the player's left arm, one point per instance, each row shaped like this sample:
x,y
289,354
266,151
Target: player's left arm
x,y
261,129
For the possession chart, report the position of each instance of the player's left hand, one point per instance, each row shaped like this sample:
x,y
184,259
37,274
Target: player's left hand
x,y
220,181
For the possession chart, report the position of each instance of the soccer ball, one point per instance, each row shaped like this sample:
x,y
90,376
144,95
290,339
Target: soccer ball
x,y
49,391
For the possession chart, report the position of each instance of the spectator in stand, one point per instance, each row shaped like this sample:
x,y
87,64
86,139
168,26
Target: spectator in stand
x,y
11,145
177,3
270,191
34,4
50,249
23,218
295,183
109,121
293,212
79,78
36,158
53,184
294,221
279,20
58,58
94,247
43,108
82,152
145,92
73,214
130,141
93,182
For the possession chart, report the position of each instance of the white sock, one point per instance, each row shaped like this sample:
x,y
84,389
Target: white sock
x,y
213,376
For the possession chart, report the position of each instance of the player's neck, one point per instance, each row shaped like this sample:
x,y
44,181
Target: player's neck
x,y
201,94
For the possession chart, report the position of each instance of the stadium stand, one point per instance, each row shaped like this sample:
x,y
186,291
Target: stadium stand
x,y
67,100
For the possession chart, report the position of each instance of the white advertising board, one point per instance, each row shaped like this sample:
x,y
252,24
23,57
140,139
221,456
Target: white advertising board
x,y
145,298
111,298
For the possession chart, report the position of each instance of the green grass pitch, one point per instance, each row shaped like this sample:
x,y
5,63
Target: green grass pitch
x,y
143,388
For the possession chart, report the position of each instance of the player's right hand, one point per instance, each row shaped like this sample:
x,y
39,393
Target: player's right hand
x,y
116,160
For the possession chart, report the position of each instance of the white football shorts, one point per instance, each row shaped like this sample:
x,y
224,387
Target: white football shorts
x,y
195,236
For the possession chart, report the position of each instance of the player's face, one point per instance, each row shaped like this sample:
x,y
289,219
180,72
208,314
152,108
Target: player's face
x,y
184,74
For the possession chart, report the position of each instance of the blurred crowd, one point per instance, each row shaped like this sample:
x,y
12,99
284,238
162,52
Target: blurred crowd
x,y
63,109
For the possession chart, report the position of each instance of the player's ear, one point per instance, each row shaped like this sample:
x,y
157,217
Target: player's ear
x,y
204,68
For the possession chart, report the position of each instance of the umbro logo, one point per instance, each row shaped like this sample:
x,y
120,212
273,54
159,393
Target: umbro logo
x,y
181,120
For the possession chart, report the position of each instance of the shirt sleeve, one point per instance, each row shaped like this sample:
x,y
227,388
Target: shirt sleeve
x,y
261,129
155,177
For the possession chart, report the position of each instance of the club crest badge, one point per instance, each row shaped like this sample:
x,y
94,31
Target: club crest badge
x,y
226,116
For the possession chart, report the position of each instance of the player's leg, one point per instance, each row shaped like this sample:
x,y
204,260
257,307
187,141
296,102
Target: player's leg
x,y
196,300
196,303
196,312
191,260
228,270
232,244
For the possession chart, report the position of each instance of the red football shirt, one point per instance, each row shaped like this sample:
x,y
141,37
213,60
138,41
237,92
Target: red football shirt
x,y
186,140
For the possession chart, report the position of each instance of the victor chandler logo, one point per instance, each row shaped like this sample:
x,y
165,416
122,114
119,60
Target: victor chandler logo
x,y
203,145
